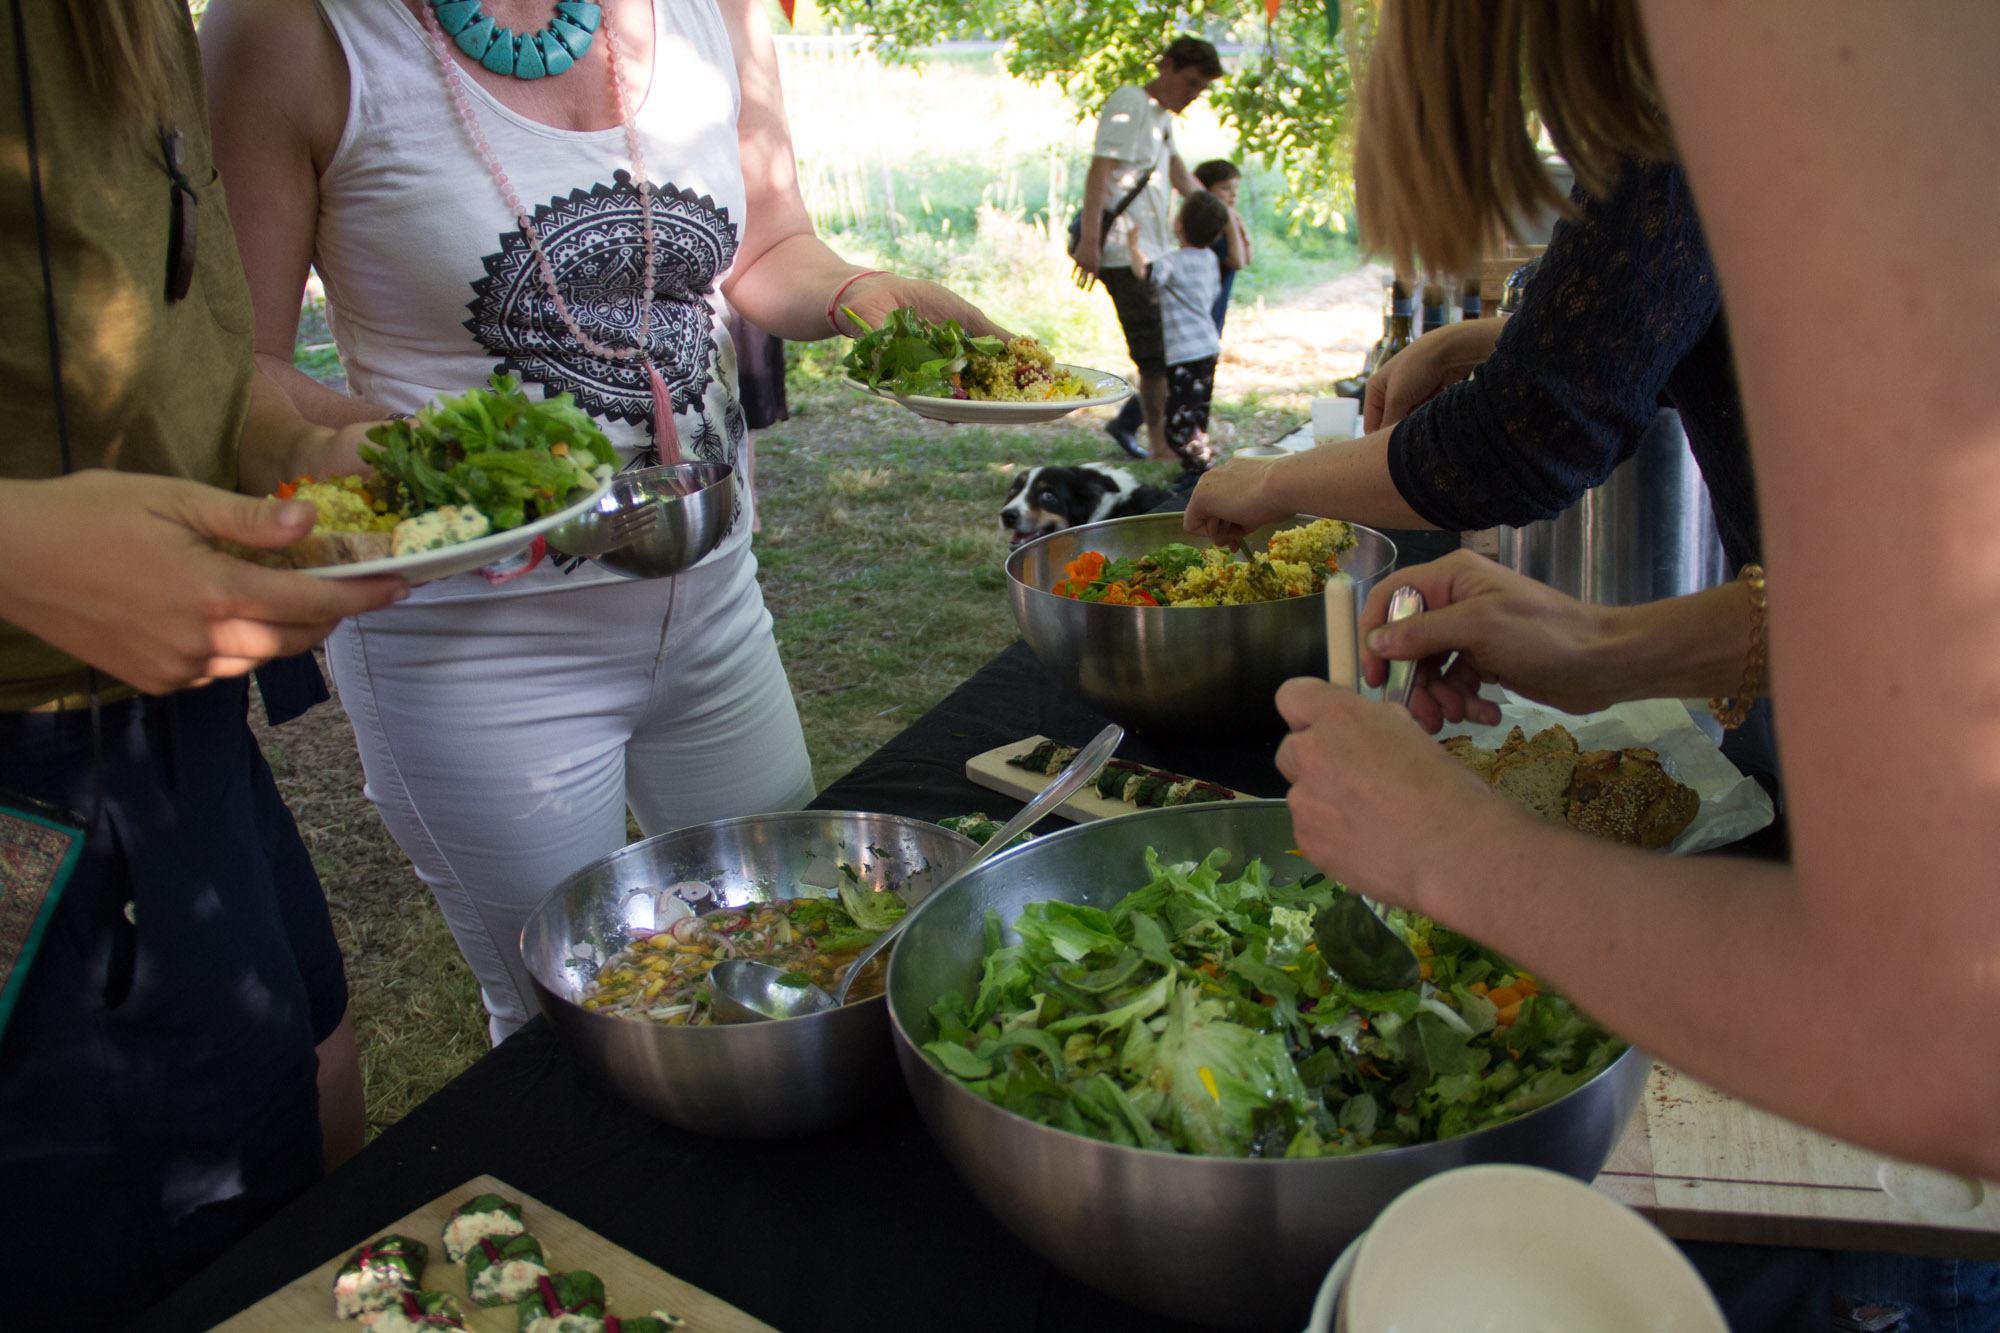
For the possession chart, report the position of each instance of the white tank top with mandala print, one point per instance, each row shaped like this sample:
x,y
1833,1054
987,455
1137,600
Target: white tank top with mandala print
x,y
431,286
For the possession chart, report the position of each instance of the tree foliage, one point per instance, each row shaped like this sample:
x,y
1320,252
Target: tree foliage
x,y
1289,96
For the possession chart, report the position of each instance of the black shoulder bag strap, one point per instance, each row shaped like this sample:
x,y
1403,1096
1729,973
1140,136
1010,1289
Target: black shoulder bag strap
x,y
1111,215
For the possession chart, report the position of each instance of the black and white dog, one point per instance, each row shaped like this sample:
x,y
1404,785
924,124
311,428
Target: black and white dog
x,y
1048,499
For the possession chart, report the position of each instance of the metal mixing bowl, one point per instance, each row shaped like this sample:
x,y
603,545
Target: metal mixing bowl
x,y
654,521
1182,670
1224,1241
755,1080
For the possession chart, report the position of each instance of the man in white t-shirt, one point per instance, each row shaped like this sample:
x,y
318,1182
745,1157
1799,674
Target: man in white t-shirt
x,y
1134,156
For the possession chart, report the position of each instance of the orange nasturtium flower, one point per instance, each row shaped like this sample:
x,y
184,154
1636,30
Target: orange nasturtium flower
x,y
1082,571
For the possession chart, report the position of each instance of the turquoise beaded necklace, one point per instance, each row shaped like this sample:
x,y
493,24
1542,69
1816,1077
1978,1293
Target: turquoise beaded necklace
x,y
525,55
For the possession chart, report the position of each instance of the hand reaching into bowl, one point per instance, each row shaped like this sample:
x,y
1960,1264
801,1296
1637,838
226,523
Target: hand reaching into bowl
x,y
1370,792
1230,500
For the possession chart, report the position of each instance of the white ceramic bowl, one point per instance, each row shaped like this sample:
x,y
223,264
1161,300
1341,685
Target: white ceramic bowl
x,y
1514,1249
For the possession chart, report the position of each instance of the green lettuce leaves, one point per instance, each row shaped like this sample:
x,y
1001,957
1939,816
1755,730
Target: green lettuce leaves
x,y
1195,1015
511,457
908,354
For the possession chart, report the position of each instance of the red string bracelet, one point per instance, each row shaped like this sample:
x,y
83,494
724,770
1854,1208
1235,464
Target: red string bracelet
x,y
833,306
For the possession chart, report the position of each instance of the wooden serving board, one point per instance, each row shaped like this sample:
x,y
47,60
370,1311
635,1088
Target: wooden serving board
x,y
635,1287
991,770
1704,1166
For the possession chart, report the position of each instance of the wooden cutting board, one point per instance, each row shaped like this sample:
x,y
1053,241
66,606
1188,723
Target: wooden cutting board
x,y
635,1287
1704,1166
992,771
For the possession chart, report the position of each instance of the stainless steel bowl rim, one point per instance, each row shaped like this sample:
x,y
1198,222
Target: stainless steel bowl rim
x,y
1017,557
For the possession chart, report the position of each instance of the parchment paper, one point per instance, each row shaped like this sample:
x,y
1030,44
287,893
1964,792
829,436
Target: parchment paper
x,y
1732,805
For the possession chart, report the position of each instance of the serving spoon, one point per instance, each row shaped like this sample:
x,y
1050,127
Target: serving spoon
x,y
750,992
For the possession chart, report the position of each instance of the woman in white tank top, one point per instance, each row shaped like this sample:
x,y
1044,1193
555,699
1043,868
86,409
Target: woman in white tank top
x,y
505,728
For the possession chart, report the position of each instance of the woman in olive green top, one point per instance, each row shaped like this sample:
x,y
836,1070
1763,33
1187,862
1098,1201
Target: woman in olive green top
x,y
172,1004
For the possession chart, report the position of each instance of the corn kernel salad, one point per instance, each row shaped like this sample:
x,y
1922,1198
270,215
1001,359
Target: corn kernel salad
x,y
662,977
1023,372
345,504
1295,564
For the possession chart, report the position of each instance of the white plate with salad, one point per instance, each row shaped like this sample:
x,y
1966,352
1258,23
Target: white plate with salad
x,y
462,557
1104,390
468,482
941,372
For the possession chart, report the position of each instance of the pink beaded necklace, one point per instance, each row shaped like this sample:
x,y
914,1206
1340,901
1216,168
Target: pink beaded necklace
x,y
666,439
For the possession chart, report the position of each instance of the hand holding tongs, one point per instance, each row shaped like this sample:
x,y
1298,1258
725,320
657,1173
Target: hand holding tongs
x,y
1343,662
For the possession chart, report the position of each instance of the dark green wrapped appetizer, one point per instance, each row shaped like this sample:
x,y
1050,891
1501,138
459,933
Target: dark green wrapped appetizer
x,y
376,1275
478,1217
503,1270
564,1303
419,1312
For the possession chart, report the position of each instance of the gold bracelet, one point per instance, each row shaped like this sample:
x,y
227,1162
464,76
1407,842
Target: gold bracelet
x,y
1732,712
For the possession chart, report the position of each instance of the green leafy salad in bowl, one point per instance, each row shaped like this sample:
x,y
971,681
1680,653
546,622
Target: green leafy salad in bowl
x,y
1196,1015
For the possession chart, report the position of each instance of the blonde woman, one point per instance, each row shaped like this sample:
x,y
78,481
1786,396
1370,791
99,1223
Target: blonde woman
x,y
1885,664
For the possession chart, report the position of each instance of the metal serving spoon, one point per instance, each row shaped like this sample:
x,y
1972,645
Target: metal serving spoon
x,y
1355,942
749,992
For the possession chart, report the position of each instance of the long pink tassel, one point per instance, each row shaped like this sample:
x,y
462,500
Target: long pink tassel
x,y
665,438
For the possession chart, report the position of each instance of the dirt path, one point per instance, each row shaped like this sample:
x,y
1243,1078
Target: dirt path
x,y
1310,338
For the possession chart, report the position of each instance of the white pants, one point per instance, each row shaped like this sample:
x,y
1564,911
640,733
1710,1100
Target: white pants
x,y
503,737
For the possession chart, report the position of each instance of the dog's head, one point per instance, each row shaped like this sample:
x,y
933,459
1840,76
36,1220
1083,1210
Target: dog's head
x,y
1048,499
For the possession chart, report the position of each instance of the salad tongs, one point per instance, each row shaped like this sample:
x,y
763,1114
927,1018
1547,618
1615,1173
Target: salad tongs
x,y
1357,944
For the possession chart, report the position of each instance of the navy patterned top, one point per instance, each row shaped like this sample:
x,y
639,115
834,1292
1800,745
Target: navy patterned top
x,y
1624,315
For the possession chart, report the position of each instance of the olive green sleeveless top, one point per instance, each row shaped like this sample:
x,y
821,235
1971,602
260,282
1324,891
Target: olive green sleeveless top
x,y
149,384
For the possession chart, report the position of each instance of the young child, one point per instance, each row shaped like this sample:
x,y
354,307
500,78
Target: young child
x,y
1221,178
1189,280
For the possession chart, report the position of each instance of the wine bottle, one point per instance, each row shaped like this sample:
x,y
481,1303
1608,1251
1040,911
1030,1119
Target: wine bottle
x,y
1434,308
1398,332
1468,300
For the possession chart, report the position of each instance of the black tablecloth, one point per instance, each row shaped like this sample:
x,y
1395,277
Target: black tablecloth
x,y
752,1222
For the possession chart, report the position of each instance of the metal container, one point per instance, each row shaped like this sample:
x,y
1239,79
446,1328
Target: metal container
x,y
1176,670
759,1080
1645,533
1223,1241
655,521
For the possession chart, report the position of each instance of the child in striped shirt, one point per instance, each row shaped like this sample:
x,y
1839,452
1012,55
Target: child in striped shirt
x,y
1189,279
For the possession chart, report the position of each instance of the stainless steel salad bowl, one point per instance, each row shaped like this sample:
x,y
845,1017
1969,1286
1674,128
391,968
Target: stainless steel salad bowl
x,y
1180,671
1227,1241
759,1080
654,521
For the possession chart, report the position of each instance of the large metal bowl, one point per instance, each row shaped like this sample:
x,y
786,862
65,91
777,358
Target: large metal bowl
x,y
1177,671
1223,1241
755,1080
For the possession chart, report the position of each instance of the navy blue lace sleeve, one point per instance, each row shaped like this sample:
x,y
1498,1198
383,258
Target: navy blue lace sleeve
x,y
1624,315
